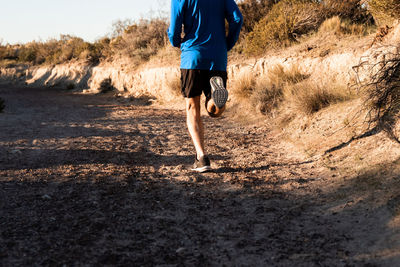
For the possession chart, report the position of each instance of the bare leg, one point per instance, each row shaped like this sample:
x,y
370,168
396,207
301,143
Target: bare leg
x,y
195,124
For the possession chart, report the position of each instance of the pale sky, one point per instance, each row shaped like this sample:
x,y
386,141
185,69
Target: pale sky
x,y
22,21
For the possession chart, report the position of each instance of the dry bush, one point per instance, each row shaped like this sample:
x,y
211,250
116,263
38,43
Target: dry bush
x,y
141,40
291,75
243,84
265,92
384,11
267,95
382,90
106,86
309,96
287,20
352,10
174,85
291,89
336,26
253,11
55,51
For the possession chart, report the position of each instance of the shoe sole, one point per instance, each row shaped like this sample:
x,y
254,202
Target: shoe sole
x,y
219,94
202,169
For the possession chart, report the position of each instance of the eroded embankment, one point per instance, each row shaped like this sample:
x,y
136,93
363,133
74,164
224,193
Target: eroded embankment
x,y
161,82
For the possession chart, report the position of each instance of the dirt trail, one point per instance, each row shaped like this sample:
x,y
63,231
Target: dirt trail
x,y
88,180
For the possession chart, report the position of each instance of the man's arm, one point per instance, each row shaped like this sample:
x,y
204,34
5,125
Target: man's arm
x,y
235,21
175,28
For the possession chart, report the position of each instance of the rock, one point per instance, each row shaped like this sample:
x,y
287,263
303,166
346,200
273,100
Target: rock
x,y
180,250
47,197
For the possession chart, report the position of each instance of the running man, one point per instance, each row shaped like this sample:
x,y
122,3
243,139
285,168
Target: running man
x,y
204,48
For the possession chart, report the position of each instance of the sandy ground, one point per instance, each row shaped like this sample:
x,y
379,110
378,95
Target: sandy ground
x,y
91,180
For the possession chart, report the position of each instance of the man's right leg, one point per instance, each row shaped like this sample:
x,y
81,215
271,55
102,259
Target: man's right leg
x,y
196,130
195,124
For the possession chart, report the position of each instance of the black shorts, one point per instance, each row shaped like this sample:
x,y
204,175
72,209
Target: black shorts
x,y
195,82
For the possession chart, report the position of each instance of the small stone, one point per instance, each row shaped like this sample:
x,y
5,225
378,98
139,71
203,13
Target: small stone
x,y
45,196
180,250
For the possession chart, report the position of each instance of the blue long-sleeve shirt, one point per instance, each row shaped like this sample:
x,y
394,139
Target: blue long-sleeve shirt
x,y
205,44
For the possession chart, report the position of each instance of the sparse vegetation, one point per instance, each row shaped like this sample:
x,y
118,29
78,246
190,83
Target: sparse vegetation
x,y
288,88
244,84
106,85
287,20
382,90
141,40
337,26
267,24
309,97
174,85
384,11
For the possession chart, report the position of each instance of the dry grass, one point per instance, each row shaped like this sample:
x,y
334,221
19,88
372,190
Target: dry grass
x,y
266,96
337,26
141,40
308,97
289,89
286,21
174,86
384,11
166,56
243,84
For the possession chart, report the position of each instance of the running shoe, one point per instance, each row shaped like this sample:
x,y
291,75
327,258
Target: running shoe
x,y
202,164
218,91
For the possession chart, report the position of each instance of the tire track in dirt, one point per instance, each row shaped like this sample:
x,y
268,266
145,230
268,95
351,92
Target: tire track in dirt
x,y
88,180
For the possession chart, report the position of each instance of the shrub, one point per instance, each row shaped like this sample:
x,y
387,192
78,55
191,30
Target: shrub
x,y
253,11
106,85
267,95
244,84
337,26
384,11
265,92
27,54
382,89
70,86
174,85
291,75
309,97
269,89
141,40
284,23
353,10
